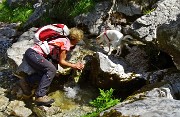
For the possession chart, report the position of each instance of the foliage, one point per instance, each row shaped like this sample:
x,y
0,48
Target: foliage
x,y
82,6
148,11
103,102
19,14
75,7
66,10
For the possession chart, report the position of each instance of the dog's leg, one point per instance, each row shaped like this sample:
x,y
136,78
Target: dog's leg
x,y
109,47
110,50
118,53
127,46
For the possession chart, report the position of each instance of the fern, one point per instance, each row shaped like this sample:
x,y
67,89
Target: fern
x,y
105,100
102,102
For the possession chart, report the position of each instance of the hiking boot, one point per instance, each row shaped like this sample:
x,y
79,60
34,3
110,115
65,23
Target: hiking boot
x,y
25,87
43,101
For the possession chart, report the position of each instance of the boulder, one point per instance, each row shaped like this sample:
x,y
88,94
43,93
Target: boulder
x,y
148,107
168,37
166,11
16,51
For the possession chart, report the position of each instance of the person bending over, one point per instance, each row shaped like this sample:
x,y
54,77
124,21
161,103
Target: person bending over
x,y
45,70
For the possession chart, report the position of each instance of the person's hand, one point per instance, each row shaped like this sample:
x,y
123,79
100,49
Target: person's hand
x,y
79,66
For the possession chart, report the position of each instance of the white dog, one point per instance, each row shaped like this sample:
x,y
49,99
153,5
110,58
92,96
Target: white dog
x,y
113,39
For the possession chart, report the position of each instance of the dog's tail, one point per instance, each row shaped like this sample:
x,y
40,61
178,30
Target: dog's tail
x,y
127,37
130,40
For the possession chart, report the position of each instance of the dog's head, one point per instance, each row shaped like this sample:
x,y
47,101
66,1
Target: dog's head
x,y
99,40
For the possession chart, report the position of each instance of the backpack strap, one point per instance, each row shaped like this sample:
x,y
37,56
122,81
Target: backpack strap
x,y
44,46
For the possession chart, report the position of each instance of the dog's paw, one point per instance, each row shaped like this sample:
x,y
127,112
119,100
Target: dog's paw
x,y
109,53
116,55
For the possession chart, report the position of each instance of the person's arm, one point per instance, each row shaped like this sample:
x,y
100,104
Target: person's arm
x,y
63,62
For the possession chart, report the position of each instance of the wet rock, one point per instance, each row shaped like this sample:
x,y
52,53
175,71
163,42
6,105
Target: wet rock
x,y
43,111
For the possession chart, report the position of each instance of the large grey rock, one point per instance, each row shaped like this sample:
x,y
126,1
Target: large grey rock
x,y
146,26
131,9
148,107
93,20
155,99
16,51
110,72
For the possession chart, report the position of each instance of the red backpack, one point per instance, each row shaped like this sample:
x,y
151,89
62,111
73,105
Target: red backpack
x,y
49,32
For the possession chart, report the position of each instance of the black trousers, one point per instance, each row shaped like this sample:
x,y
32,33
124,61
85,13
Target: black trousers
x,y
45,71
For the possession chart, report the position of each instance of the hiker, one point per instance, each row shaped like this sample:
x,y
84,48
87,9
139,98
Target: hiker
x,y
37,58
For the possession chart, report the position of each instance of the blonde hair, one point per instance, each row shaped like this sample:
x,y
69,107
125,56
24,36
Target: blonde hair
x,y
76,34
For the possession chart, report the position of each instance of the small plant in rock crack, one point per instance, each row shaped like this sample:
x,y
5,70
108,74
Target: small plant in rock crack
x,y
148,11
105,100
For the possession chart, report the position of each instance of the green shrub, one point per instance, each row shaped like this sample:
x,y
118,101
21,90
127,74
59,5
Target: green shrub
x,y
103,102
66,10
82,6
19,14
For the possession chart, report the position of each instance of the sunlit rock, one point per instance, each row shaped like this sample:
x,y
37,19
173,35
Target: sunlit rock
x,y
4,101
17,108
